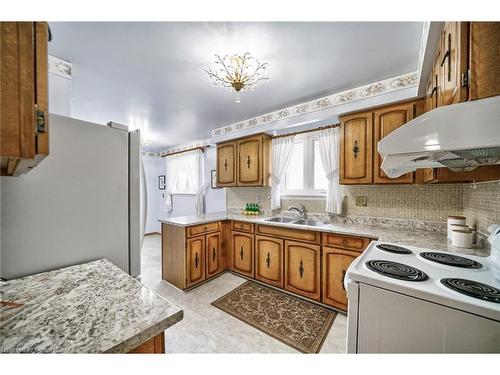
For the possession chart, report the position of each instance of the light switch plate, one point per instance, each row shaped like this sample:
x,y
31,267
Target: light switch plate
x,y
361,200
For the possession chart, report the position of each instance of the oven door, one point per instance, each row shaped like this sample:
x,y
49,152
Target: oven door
x,y
390,322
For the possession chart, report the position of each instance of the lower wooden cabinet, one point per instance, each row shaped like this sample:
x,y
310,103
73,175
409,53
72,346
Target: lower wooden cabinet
x,y
155,345
269,260
302,269
335,264
195,260
213,254
242,253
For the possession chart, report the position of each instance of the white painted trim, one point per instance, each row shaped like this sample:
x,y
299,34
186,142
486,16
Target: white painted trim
x,y
60,67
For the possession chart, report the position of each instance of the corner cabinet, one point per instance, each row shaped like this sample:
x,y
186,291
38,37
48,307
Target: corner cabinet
x,y
244,162
24,101
356,149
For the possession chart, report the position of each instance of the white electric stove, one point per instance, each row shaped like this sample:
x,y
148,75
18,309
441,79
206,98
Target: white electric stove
x,y
405,299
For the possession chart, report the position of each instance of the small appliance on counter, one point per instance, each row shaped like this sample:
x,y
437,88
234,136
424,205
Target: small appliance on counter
x,y
414,300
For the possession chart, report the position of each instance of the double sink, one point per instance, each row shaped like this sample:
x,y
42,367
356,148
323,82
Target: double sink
x,y
307,222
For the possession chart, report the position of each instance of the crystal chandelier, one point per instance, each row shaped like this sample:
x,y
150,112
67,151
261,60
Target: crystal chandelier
x,y
237,72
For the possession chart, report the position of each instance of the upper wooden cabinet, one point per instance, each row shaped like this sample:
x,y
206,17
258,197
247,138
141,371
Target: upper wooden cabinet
x,y
386,120
244,162
24,99
226,164
356,149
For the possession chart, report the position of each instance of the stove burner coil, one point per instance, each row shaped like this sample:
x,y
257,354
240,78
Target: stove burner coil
x,y
451,260
473,289
396,270
393,248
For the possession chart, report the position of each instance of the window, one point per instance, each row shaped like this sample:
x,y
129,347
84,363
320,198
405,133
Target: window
x,y
183,169
305,176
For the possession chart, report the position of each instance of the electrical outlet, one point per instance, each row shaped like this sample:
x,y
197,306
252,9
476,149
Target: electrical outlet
x,y
361,200
259,199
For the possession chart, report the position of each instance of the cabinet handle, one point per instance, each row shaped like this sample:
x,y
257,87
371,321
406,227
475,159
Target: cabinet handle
x,y
301,269
40,120
248,161
342,279
196,260
344,242
447,55
355,149
213,254
241,252
225,164
268,260
434,90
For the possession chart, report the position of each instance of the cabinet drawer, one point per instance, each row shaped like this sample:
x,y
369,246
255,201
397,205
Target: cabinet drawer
x,y
242,226
345,242
290,233
202,228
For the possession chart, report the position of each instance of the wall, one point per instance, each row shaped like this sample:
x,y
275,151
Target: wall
x,y
183,204
482,205
412,202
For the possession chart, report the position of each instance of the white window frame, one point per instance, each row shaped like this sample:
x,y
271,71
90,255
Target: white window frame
x,y
308,183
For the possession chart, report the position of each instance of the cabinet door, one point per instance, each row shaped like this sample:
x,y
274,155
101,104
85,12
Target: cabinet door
x,y
386,121
242,256
269,260
302,269
484,59
213,254
195,260
454,61
250,161
226,164
356,149
335,264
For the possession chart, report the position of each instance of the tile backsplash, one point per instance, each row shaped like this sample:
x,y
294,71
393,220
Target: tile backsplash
x,y
482,205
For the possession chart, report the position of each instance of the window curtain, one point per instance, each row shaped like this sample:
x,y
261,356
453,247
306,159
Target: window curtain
x,y
329,151
189,164
282,150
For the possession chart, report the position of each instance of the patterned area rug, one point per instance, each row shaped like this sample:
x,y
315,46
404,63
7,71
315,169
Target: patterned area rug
x,y
291,320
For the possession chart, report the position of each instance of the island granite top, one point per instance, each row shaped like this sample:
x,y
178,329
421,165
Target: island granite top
x,y
88,308
411,237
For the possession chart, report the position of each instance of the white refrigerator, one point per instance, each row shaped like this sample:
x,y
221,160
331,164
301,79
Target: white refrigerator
x,y
84,201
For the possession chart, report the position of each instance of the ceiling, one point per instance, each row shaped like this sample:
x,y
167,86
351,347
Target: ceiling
x,y
149,75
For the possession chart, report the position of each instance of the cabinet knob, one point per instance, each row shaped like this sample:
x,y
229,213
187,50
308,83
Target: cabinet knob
x,y
225,164
342,279
248,161
268,260
301,269
213,254
344,242
196,260
241,252
447,56
355,149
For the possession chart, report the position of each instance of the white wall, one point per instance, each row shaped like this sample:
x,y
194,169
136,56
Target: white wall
x,y
215,199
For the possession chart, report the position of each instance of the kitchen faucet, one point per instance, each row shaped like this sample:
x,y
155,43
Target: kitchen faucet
x,y
301,210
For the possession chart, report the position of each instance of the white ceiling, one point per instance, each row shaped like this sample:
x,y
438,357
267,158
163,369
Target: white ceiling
x,y
150,75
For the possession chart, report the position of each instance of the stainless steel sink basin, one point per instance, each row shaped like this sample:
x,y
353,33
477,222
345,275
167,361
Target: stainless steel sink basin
x,y
311,223
281,220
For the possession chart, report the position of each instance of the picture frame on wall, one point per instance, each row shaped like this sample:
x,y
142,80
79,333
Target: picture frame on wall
x,y
161,182
213,179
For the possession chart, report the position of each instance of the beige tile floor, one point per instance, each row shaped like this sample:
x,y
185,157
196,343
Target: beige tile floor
x,y
206,329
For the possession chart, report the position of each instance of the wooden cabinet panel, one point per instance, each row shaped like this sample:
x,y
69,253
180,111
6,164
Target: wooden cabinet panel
x,y
250,161
484,59
335,264
213,255
155,345
345,242
356,149
454,61
242,253
226,164
242,226
196,230
23,77
269,260
387,120
289,233
302,269
195,260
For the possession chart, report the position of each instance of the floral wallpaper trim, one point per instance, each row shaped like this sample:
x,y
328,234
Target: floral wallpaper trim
x,y
60,67
373,89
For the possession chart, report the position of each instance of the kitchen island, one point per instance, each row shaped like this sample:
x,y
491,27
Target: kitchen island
x,y
88,308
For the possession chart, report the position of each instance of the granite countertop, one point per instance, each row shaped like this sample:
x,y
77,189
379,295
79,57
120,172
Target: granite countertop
x,y
88,308
420,238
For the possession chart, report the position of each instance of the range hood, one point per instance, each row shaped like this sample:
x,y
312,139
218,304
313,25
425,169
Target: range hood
x,y
459,136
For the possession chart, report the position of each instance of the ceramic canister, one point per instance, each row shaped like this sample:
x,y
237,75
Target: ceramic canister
x,y
461,238
454,220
